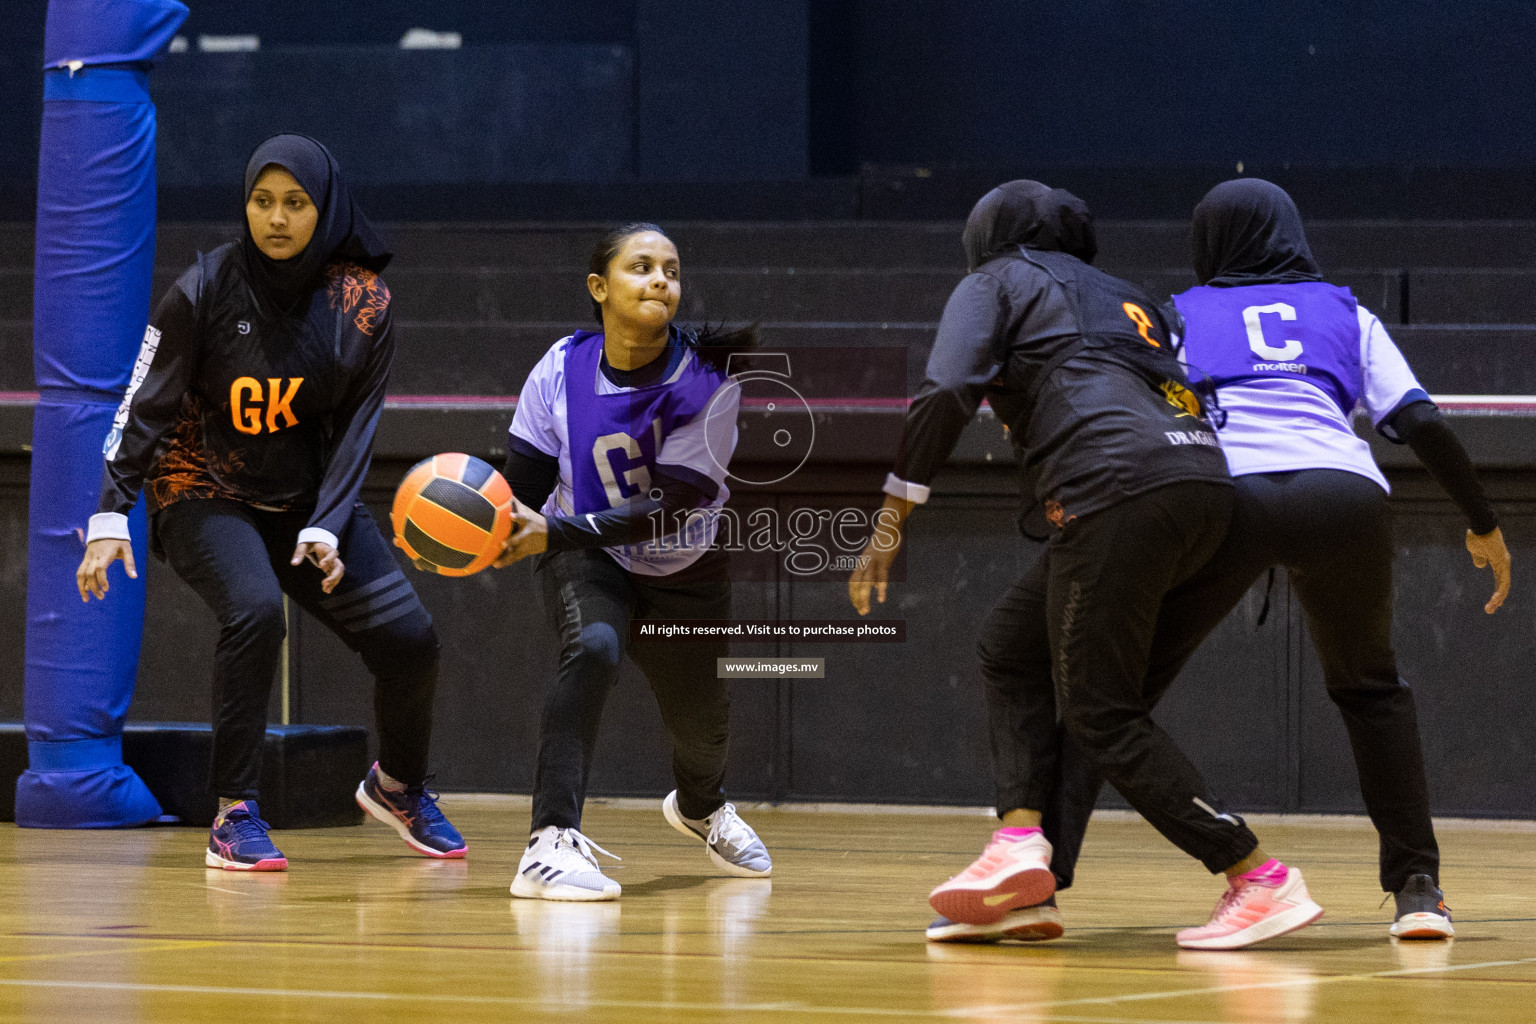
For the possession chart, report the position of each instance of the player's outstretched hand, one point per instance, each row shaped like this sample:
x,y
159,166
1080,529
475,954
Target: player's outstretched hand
x,y
530,535
874,570
873,573
91,577
1488,550
325,556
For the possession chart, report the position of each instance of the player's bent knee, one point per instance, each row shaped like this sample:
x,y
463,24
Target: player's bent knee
x,y
259,622
986,656
407,647
418,642
1000,664
418,634
596,646
1347,685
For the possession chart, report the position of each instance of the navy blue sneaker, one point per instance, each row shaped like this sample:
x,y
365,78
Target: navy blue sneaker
x,y
239,842
413,813
1421,911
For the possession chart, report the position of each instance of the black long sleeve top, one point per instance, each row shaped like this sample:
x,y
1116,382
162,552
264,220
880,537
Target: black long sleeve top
x,y
230,400
1091,430
1421,427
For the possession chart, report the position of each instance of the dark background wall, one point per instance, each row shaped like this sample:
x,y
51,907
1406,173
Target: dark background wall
x,y
542,91
836,97
1129,83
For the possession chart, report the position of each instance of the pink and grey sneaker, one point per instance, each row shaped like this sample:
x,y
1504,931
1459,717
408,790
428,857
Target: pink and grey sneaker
x,y
1014,871
413,813
239,842
1265,903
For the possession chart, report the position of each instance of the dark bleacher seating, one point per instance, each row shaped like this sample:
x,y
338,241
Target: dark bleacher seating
x,y
477,304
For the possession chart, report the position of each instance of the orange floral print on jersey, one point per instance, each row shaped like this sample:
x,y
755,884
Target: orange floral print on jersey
x,y
187,469
353,287
181,471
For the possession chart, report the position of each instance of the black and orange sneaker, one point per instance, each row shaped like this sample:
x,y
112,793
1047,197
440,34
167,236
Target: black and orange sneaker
x,y
1421,911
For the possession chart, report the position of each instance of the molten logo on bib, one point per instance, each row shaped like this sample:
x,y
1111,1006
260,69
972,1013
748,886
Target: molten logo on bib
x,y
248,400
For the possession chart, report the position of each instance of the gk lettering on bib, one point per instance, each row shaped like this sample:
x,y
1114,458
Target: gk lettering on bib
x,y
252,408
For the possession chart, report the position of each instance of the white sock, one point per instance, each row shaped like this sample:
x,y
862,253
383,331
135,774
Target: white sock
x,y
389,784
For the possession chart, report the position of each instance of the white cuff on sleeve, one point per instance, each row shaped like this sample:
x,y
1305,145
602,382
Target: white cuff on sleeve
x,y
107,526
315,535
896,487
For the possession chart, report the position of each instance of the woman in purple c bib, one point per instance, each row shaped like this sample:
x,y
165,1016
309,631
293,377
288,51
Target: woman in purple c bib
x,y
1293,359
617,457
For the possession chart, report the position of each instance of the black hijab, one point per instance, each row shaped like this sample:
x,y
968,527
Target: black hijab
x,y
341,230
1030,214
1248,231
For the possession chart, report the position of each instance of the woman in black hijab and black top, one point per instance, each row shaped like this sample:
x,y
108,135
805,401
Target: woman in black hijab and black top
x,y
249,421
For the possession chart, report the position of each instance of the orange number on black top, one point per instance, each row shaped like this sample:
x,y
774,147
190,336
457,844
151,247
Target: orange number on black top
x,y
1142,321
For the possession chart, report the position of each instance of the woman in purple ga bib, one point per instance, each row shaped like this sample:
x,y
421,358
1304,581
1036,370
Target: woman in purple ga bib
x,y
617,457
1293,359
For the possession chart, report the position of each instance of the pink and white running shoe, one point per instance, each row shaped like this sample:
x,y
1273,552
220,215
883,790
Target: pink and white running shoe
x,y
1250,912
1012,872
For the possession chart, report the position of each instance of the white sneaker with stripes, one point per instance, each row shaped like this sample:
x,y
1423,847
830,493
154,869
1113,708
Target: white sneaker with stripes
x,y
732,844
560,864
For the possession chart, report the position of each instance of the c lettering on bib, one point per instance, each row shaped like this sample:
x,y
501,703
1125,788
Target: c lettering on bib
x,y
1288,351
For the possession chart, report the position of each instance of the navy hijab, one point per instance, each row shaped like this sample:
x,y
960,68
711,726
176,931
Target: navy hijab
x,y
1030,214
341,230
1248,231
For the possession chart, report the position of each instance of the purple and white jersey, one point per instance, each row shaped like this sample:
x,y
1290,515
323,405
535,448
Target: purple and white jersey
x,y
1293,362
610,439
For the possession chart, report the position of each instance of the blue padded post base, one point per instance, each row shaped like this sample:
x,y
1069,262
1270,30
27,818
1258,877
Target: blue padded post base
x,y
81,658
308,774
87,781
100,798
91,282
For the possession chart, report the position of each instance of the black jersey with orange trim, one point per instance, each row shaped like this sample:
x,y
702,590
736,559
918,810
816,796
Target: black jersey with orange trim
x,y
231,400
1057,347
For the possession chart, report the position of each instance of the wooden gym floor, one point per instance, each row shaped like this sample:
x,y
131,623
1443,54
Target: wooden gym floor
x,y
128,926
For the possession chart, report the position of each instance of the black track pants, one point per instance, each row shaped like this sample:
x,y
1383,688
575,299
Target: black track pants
x,y
237,559
589,600
1065,655
1332,530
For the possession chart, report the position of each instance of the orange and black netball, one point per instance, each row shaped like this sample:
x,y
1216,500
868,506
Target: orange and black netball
x,y
452,513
